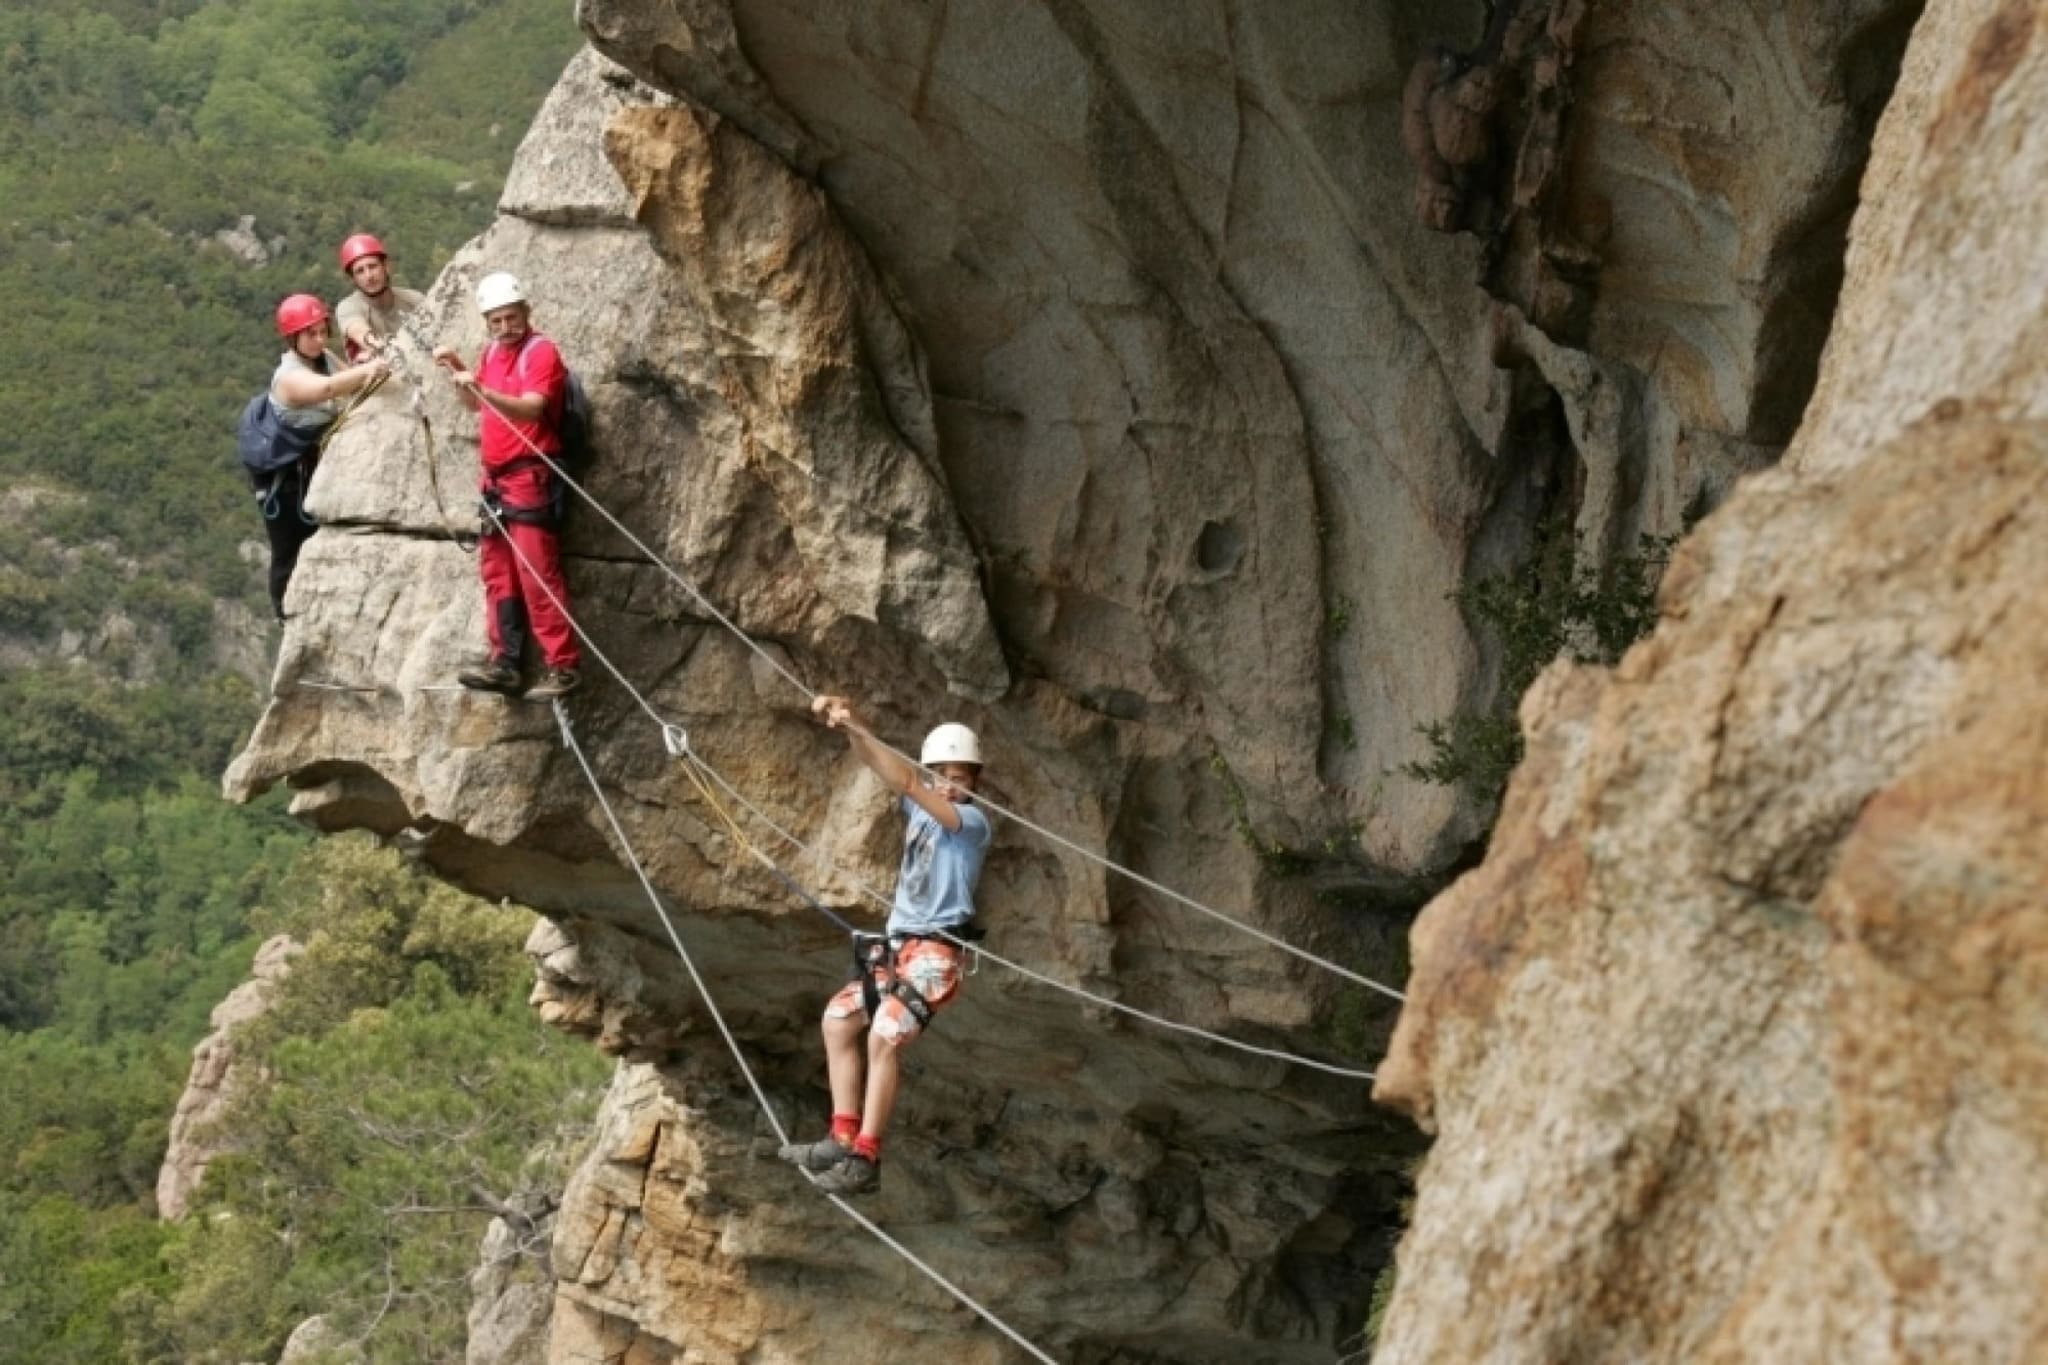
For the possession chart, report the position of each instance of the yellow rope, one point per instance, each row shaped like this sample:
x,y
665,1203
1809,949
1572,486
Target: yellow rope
x,y
725,816
348,409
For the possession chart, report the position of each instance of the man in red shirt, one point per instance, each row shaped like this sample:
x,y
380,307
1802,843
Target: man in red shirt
x,y
518,391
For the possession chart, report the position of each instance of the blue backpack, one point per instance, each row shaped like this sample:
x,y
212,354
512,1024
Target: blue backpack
x,y
266,444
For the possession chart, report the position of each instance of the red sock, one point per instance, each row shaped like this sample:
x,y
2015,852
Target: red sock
x,y
869,1146
844,1128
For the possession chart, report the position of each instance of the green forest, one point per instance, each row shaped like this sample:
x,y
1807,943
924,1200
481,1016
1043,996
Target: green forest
x,y
133,133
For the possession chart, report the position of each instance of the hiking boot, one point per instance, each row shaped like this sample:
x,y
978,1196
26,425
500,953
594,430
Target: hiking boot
x,y
818,1157
854,1174
490,675
556,682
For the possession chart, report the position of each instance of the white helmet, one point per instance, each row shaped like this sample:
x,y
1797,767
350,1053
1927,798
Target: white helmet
x,y
951,743
498,289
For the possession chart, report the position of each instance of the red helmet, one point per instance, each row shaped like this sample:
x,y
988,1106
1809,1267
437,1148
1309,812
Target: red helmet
x,y
359,246
299,312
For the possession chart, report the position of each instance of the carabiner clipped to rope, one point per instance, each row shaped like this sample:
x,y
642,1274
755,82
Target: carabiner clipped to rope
x,y
675,739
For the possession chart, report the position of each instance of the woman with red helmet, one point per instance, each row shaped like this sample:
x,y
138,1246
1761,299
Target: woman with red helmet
x,y
306,391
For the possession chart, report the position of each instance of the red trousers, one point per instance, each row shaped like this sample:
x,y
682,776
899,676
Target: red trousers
x,y
520,575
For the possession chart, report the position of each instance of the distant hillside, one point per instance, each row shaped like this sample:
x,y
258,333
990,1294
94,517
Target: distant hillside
x,y
168,171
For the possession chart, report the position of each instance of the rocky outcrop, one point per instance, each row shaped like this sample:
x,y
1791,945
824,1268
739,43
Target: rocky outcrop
x,y
765,423
512,1291
196,1137
317,1341
1734,1046
1016,365
1204,386
104,638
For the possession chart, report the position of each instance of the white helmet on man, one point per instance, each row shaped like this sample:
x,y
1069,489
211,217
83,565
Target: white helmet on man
x,y
498,289
951,743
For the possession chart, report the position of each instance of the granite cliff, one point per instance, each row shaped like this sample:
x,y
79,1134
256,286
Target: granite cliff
x,y
1135,382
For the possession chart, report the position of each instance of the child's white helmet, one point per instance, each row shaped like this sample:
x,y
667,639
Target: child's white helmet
x,y
951,743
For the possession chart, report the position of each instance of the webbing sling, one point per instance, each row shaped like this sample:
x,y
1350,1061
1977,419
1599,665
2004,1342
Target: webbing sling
x,y
877,951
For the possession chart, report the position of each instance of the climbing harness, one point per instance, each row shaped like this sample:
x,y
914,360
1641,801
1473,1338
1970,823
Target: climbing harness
x,y
874,966
270,499
547,515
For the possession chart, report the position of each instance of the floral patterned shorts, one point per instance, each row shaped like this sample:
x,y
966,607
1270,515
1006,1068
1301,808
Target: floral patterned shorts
x,y
932,969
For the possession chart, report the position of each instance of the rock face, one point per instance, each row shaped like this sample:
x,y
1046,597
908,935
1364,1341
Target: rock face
x,y
1736,1044
195,1138
1224,420
512,1293
316,1341
1078,370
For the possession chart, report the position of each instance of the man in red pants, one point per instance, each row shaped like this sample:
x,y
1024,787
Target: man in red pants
x,y
518,391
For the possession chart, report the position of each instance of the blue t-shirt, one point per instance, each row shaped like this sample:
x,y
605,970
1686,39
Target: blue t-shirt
x,y
935,889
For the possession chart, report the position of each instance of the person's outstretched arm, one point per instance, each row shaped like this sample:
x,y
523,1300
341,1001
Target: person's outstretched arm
x,y
304,388
901,775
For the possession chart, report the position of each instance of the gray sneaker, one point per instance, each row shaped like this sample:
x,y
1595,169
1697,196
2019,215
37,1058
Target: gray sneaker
x,y
819,1156
556,682
490,675
853,1175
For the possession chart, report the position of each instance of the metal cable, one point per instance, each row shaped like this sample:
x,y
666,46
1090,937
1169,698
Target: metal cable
x,y
677,741
655,559
875,895
1107,863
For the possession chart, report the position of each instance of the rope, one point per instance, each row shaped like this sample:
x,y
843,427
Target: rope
x,y
1110,864
739,1057
1107,863
695,771
348,409
677,740
875,895
465,541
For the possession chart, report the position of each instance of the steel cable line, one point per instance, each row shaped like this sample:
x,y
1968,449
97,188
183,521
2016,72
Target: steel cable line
x,y
653,558
872,893
1102,860
676,739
